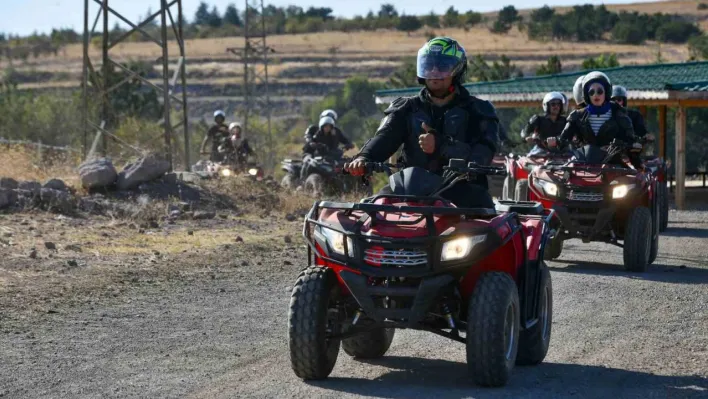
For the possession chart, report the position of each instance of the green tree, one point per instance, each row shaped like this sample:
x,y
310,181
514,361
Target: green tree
x,y
451,18
472,18
551,67
629,33
405,76
677,32
201,16
543,14
409,23
388,11
601,62
507,17
431,20
698,47
231,16
214,18
480,70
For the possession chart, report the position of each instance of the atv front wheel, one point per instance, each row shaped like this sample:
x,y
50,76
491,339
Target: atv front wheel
x,y
521,191
493,329
314,185
637,239
533,342
369,345
289,182
507,190
311,318
654,251
554,248
663,207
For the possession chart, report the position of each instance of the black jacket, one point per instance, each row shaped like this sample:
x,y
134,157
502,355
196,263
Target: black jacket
x,y
619,126
544,126
315,136
640,129
466,128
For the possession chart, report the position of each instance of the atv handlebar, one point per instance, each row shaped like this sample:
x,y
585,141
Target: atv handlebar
x,y
462,166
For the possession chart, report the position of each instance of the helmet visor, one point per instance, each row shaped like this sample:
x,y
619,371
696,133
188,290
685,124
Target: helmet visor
x,y
436,66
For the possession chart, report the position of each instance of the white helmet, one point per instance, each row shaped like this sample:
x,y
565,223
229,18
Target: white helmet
x,y
578,90
565,103
326,120
233,125
330,113
554,95
219,113
597,76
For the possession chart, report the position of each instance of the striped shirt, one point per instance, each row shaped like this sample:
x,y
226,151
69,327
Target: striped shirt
x,y
596,121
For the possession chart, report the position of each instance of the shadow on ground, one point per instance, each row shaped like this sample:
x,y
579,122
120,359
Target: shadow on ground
x,y
432,378
657,271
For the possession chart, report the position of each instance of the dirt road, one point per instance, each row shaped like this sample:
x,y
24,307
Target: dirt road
x,y
220,331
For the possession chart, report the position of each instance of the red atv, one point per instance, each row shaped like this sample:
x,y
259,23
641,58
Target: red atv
x,y
516,185
598,201
414,260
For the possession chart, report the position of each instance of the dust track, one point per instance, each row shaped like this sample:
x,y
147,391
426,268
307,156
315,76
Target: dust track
x,y
223,334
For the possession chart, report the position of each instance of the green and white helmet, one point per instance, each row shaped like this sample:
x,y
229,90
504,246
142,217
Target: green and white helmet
x,y
441,58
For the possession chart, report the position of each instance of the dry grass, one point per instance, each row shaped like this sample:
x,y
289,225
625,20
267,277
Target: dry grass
x,y
21,163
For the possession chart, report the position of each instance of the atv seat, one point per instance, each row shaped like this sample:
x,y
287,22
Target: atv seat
x,y
520,207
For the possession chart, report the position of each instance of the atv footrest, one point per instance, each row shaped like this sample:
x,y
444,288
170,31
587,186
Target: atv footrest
x,y
520,207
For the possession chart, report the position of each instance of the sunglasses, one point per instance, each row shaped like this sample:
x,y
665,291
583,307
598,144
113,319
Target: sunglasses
x,y
598,92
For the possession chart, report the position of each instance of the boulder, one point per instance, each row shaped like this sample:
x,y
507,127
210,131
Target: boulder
x,y
97,173
9,183
8,198
59,201
31,186
144,170
56,184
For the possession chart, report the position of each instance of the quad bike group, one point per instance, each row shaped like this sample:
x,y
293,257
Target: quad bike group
x,y
408,258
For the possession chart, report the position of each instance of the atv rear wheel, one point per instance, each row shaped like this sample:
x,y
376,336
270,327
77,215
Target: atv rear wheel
x,y
493,329
637,239
314,185
311,318
369,345
289,182
521,191
507,190
663,207
533,342
554,248
654,250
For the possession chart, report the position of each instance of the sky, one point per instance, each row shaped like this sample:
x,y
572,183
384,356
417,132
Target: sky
x,y
25,16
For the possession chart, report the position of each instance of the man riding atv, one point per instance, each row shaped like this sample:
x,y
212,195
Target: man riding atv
x,y
327,137
217,134
442,122
239,143
536,131
601,121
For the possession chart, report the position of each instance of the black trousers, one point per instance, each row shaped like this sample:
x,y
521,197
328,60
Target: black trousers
x,y
463,195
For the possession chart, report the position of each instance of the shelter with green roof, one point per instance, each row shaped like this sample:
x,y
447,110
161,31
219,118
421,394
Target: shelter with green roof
x,y
680,85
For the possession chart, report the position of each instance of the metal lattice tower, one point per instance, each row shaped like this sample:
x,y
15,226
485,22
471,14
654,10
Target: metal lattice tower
x,y
98,92
254,56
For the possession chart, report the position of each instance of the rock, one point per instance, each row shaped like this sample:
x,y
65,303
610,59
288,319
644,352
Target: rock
x,y
9,183
200,215
153,224
223,216
97,173
55,200
72,263
238,239
31,186
287,263
290,217
72,247
33,254
190,233
244,263
288,239
144,170
8,197
50,246
189,177
170,178
56,184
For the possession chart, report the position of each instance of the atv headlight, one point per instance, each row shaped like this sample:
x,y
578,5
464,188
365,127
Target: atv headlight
x,y
336,241
548,187
226,172
253,171
621,190
460,247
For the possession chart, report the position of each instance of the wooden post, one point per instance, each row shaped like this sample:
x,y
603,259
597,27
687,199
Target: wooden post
x,y
680,162
662,131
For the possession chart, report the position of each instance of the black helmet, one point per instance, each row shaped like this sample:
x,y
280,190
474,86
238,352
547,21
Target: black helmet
x,y
440,58
620,92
